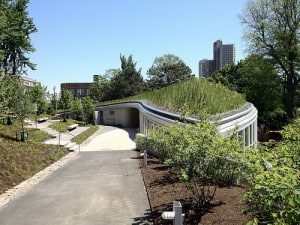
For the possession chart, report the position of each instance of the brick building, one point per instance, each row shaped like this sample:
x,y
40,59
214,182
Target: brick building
x,y
77,89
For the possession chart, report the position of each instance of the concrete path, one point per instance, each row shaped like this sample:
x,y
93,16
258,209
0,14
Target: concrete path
x,y
110,138
100,185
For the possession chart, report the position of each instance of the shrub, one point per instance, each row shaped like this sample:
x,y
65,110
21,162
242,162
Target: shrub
x,y
273,175
200,154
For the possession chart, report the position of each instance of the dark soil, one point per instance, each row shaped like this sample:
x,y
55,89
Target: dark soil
x,y
164,187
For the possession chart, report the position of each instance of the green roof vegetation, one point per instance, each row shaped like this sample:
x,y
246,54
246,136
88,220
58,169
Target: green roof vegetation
x,y
195,96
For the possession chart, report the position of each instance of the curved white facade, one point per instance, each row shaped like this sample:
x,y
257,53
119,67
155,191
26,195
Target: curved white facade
x,y
138,114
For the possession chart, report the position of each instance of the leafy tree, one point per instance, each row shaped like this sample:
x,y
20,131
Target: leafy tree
x,y
127,81
38,97
8,87
272,31
20,101
166,70
66,100
262,86
228,76
257,78
98,90
88,110
15,29
77,108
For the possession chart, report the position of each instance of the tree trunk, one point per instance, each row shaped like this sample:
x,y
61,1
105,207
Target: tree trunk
x,y
289,100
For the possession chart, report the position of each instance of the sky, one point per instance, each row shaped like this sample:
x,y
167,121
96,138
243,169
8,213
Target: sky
x,y
79,38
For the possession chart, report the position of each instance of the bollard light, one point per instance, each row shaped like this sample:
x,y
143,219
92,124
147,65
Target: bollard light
x,y
175,215
169,215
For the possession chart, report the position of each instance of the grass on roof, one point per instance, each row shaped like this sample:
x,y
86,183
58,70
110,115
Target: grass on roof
x,y
193,96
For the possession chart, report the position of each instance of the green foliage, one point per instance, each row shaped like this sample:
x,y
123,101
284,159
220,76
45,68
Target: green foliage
x,y
257,79
62,126
195,94
54,102
77,109
203,158
167,70
66,100
272,31
126,82
15,29
84,135
88,109
38,96
273,175
20,101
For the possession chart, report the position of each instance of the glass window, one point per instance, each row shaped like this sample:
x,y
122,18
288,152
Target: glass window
x,y
79,92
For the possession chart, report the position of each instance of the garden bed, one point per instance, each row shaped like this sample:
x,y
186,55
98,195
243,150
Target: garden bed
x,y
164,187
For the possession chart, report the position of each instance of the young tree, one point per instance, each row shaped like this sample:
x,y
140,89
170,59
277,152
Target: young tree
x,y
53,101
20,102
77,109
66,100
15,29
272,31
38,97
167,70
88,110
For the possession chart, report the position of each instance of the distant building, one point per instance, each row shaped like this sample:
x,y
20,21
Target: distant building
x,y
28,82
77,89
222,55
206,67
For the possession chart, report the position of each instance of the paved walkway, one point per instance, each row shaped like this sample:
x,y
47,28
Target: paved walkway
x,y
101,184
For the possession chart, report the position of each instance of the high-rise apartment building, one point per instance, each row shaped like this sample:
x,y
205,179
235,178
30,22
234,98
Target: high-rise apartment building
x,y
206,67
222,55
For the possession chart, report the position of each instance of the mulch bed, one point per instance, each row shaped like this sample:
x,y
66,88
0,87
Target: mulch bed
x,y
164,187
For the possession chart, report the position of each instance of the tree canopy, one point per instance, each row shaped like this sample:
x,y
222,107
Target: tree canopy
x,y
127,81
166,70
15,43
272,31
257,78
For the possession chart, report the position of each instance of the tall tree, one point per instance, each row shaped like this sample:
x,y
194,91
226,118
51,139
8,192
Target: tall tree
x,y
272,31
15,43
128,81
166,70
262,86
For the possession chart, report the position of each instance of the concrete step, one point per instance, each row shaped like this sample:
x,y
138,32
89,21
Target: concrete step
x,y
72,146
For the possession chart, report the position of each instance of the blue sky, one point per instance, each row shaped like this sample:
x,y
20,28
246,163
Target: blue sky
x,y
77,39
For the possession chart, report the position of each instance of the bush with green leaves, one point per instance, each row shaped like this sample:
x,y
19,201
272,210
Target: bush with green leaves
x,y
203,158
273,175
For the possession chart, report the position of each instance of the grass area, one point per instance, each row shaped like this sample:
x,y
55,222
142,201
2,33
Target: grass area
x,y
194,96
21,160
62,126
84,135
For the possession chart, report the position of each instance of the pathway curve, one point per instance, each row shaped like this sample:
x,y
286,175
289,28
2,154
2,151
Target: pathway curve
x,y
101,184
